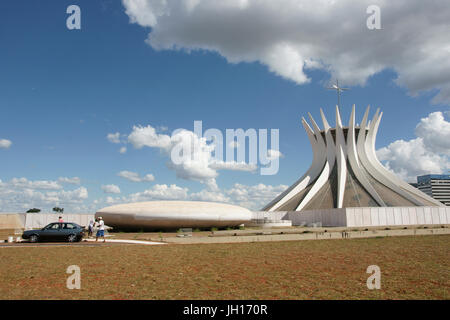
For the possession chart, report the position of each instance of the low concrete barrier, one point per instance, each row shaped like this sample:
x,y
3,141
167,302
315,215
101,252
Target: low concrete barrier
x,y
309,235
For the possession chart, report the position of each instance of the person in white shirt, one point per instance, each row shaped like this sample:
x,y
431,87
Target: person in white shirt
x,y
101,229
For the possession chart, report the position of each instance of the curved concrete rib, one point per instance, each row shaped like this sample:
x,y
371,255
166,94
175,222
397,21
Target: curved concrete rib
x,y
370,147
310,175
341,159
359,149
328,167
354,162
364,144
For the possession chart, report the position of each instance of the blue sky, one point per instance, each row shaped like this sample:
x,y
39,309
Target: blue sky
x,y
63,91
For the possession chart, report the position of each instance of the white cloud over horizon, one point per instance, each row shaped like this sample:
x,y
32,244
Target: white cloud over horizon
x,y
197,163
426,154
5,143
21,194
134,177
113,137
110,188
73,180
291,37
252,197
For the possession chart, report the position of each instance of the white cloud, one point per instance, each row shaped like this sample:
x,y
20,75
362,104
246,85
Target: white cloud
x,y
253,197
196,163
210,195
233,165
111,188
292,36
163,128
147,137
34,185
113,137
426,154
74,180
160,192
435,132
274,154
157,192
21,194
5,144
123,150
134,177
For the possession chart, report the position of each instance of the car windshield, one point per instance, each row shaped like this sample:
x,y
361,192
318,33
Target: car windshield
x,y
52,226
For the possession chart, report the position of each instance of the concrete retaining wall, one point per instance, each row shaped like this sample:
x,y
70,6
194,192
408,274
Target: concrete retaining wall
x,y
310,236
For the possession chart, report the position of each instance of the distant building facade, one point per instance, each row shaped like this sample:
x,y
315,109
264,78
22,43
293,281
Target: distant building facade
x,y
436,186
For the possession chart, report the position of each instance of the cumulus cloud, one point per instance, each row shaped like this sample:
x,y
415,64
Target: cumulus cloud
x,y
20,194
134,177
157,192
113,137
24,183
426,154
435,132
233,165
5,144
252,197
160,192
210,196
291,37
148,137
111,188
274,154
74,180
190,156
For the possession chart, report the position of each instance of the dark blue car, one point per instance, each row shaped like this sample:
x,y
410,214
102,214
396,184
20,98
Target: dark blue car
x,y
57,231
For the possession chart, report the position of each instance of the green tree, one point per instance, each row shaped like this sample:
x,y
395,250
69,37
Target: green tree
x,y
34,210
58,210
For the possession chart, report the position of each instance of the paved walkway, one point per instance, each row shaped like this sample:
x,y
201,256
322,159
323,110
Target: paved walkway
x,y
126,241
84,243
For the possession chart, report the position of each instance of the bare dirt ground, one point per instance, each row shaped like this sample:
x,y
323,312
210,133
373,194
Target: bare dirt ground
x,y
411,268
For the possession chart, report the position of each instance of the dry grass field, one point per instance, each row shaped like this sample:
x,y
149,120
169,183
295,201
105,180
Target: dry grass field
x,y
411,267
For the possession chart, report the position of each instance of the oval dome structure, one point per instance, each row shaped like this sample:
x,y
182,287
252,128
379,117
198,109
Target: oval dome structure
x,y
174,214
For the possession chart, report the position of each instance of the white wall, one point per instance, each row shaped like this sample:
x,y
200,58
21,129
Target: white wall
x,y
40,220
396,216
372,217
328,217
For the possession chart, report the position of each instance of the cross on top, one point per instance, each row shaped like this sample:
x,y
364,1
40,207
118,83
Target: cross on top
x,y
338,90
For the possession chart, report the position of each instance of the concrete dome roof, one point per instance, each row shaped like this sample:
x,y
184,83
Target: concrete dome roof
x,y
174,214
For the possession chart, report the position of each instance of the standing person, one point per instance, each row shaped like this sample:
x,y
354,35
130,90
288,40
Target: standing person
x,y
60,219
90,228
101,229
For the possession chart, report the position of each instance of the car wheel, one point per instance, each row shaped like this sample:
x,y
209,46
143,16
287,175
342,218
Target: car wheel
x,y
34,238
72,238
